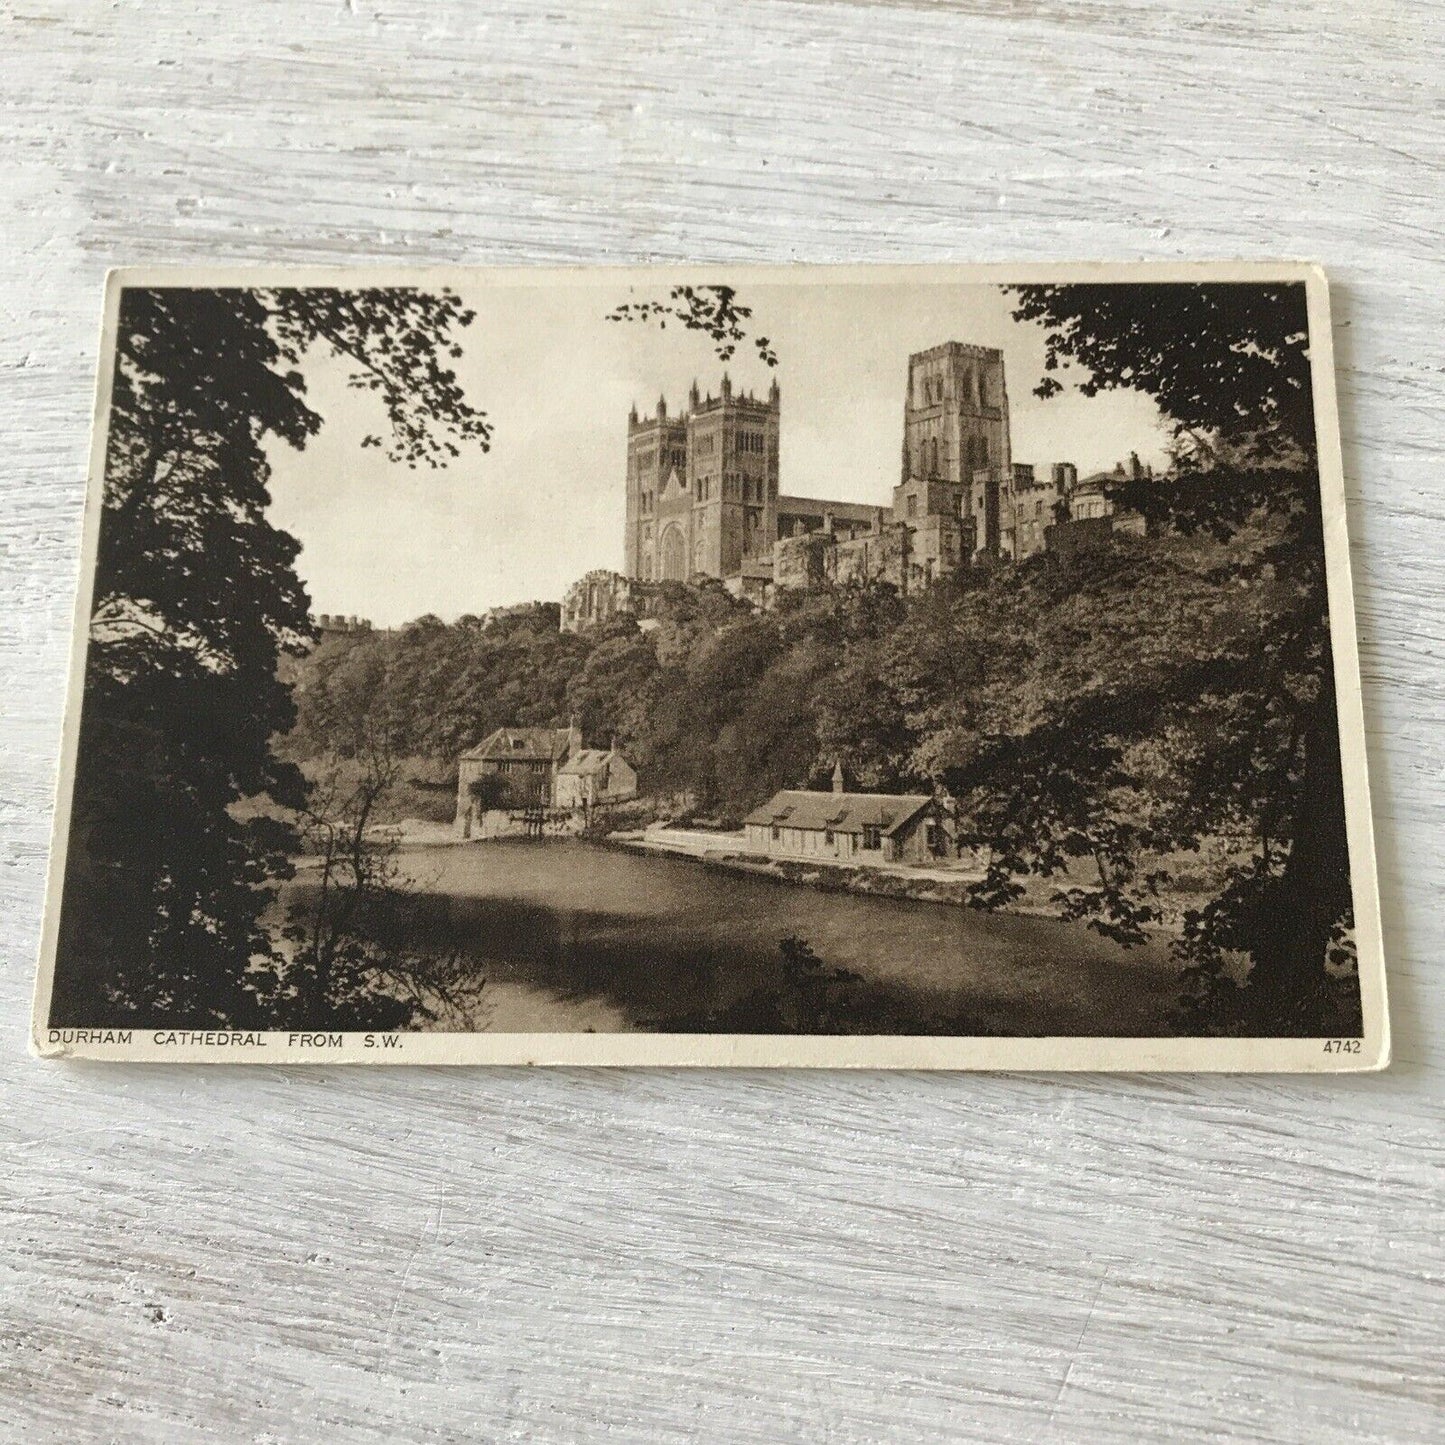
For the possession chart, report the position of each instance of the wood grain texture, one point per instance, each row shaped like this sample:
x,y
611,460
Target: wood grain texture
x,y
217,1254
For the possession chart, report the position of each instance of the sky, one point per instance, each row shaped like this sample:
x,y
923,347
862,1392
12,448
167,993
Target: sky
x,y
545,504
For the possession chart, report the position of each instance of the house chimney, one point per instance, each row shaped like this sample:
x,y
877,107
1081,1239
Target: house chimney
x,y
838,783
1135,470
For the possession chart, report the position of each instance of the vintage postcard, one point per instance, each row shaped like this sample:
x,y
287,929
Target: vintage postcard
x,y
916,667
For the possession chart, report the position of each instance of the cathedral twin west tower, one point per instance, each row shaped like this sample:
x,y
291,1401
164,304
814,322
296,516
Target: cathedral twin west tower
x,y
702,488
703,498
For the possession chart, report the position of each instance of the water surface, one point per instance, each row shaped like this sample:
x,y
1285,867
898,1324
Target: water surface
x,y
575,936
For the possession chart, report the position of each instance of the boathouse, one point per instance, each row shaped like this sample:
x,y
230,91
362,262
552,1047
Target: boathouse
x,y
850,827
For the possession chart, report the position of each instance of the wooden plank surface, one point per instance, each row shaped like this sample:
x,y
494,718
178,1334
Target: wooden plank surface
x,y
266,1256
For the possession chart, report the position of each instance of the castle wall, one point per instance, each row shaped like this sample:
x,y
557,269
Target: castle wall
x,y
595,597
802,561
873,557
600,596
1037,505
815,559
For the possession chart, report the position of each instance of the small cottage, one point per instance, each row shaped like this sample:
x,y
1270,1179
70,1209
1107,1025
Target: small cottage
x,y
593,778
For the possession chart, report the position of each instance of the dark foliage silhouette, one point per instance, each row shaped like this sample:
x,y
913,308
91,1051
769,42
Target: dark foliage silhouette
x,y
712,310
196,599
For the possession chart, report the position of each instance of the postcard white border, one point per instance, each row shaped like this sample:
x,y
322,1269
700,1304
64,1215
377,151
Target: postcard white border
x,y
1266,1055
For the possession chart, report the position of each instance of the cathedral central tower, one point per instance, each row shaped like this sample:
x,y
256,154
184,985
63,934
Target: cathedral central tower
x,y
956,453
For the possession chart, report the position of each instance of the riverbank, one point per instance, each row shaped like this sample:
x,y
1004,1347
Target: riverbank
x,y
947,883
882,880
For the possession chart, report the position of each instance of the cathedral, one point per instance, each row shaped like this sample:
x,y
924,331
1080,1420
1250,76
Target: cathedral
x,y
702,487
703,498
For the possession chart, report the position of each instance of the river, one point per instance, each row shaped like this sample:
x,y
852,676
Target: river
x,y
574,936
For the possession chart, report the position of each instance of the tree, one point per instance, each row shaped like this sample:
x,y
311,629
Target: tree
x,y
356,951
605,692
713,310
1228,363
489,791
1194,672
196,599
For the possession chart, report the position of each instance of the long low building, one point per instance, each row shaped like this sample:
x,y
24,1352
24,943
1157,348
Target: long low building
x,y
882,827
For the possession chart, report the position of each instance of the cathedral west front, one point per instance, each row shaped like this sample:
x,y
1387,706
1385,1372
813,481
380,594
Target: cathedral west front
x,y
702,486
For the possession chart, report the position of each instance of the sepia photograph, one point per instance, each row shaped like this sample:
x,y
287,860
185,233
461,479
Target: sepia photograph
x,y
911,667
722,722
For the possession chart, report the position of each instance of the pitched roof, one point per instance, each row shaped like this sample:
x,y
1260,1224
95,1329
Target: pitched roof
x,y
528,744
840,812
818,507
586,761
